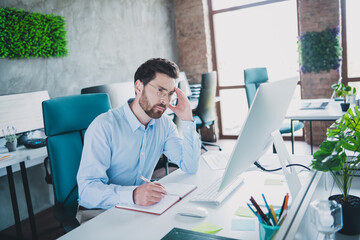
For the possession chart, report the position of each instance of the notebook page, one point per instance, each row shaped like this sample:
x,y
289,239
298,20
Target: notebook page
x,y
176,191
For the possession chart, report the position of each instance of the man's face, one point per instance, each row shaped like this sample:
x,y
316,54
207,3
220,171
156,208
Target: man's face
x,y
156,95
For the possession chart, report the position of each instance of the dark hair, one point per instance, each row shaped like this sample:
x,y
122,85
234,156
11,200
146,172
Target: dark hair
x,y
146,72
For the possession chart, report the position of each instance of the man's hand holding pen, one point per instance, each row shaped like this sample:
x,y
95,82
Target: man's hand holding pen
x,y
149,193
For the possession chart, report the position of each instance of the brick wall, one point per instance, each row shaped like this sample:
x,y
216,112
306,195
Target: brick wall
x,y
194,44
193,37
316,16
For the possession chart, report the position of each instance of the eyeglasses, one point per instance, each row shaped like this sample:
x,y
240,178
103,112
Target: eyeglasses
x,y
161,92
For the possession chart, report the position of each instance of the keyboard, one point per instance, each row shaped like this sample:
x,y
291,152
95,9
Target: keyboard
x,y
211,194
216,159
315,105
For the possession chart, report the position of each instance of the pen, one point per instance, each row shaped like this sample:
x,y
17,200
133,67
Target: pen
x,y
281,220
4,157
262,214
273,215
282,207
169,194
252,209
256,214
267,206
286,201
145,179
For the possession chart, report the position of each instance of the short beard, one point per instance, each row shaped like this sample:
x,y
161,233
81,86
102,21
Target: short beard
x,y
150,111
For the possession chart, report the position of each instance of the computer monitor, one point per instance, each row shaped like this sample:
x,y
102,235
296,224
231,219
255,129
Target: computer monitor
x,y
265,115
22,111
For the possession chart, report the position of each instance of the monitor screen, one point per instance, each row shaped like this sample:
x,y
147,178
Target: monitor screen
x,y
266,114
22,111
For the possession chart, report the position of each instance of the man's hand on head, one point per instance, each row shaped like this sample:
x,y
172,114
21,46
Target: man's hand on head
x,y
149,194
183,108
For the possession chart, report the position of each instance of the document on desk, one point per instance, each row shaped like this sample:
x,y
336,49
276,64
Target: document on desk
x,y
216,159
175,192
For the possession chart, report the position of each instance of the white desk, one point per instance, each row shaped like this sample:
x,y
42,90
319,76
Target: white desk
x,y
24,158
321,188
331,113
125,224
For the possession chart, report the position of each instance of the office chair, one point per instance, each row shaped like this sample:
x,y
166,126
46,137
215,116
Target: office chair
x,y
205,112
66,120
119,93
253,77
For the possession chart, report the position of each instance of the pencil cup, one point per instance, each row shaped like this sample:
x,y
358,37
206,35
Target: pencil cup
x,y
267,232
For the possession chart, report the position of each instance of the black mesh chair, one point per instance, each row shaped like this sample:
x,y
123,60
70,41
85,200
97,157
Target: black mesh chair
x,y
118,93
205,112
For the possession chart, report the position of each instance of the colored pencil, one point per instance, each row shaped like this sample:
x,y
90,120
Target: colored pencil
x,y
262,214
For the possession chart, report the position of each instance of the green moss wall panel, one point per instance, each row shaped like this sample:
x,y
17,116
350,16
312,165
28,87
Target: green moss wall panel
x,y
24,34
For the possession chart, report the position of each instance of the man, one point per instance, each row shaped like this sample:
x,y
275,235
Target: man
x,y
124,145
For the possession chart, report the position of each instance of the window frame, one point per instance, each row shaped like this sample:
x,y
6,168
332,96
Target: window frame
x,y
344,68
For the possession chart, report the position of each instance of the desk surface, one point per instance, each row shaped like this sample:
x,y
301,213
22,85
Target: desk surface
x,y
321,188
331,112
125,224
31,157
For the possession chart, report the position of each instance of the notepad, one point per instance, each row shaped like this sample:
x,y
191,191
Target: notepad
x,y
176,192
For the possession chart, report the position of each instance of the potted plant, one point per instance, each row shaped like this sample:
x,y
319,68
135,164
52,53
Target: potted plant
x,y
343,91
339,154
11,138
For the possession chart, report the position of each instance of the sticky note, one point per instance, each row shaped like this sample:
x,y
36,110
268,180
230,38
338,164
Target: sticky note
x,y
243,224
244,212
272,181
207,227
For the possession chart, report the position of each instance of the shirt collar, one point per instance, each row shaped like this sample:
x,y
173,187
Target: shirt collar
x,y
131,118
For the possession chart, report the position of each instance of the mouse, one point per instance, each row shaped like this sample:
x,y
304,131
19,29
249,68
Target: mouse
x,y
198,212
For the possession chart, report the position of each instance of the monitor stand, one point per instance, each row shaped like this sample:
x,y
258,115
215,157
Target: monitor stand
x,y
291,176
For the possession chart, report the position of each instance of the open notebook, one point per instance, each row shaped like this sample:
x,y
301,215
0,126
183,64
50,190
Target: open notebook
x,y
176,192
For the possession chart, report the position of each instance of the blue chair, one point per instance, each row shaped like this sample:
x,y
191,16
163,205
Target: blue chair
x,y
205,112
253,77
66,120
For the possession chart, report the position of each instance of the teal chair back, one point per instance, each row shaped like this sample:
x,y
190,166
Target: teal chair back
x,y
253,77
66,120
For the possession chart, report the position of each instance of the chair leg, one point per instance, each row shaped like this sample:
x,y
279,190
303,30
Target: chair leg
x,y
203,147
167,167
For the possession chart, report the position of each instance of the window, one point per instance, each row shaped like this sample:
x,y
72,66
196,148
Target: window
x,y
256,33
350,41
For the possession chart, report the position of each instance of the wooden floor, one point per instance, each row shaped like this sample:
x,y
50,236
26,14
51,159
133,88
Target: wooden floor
x,y
46,225
48,228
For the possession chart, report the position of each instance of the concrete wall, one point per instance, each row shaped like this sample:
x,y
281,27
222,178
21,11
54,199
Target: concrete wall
x,y
107,41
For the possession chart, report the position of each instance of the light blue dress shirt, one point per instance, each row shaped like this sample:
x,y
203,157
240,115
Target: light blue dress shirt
x,y
118,149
